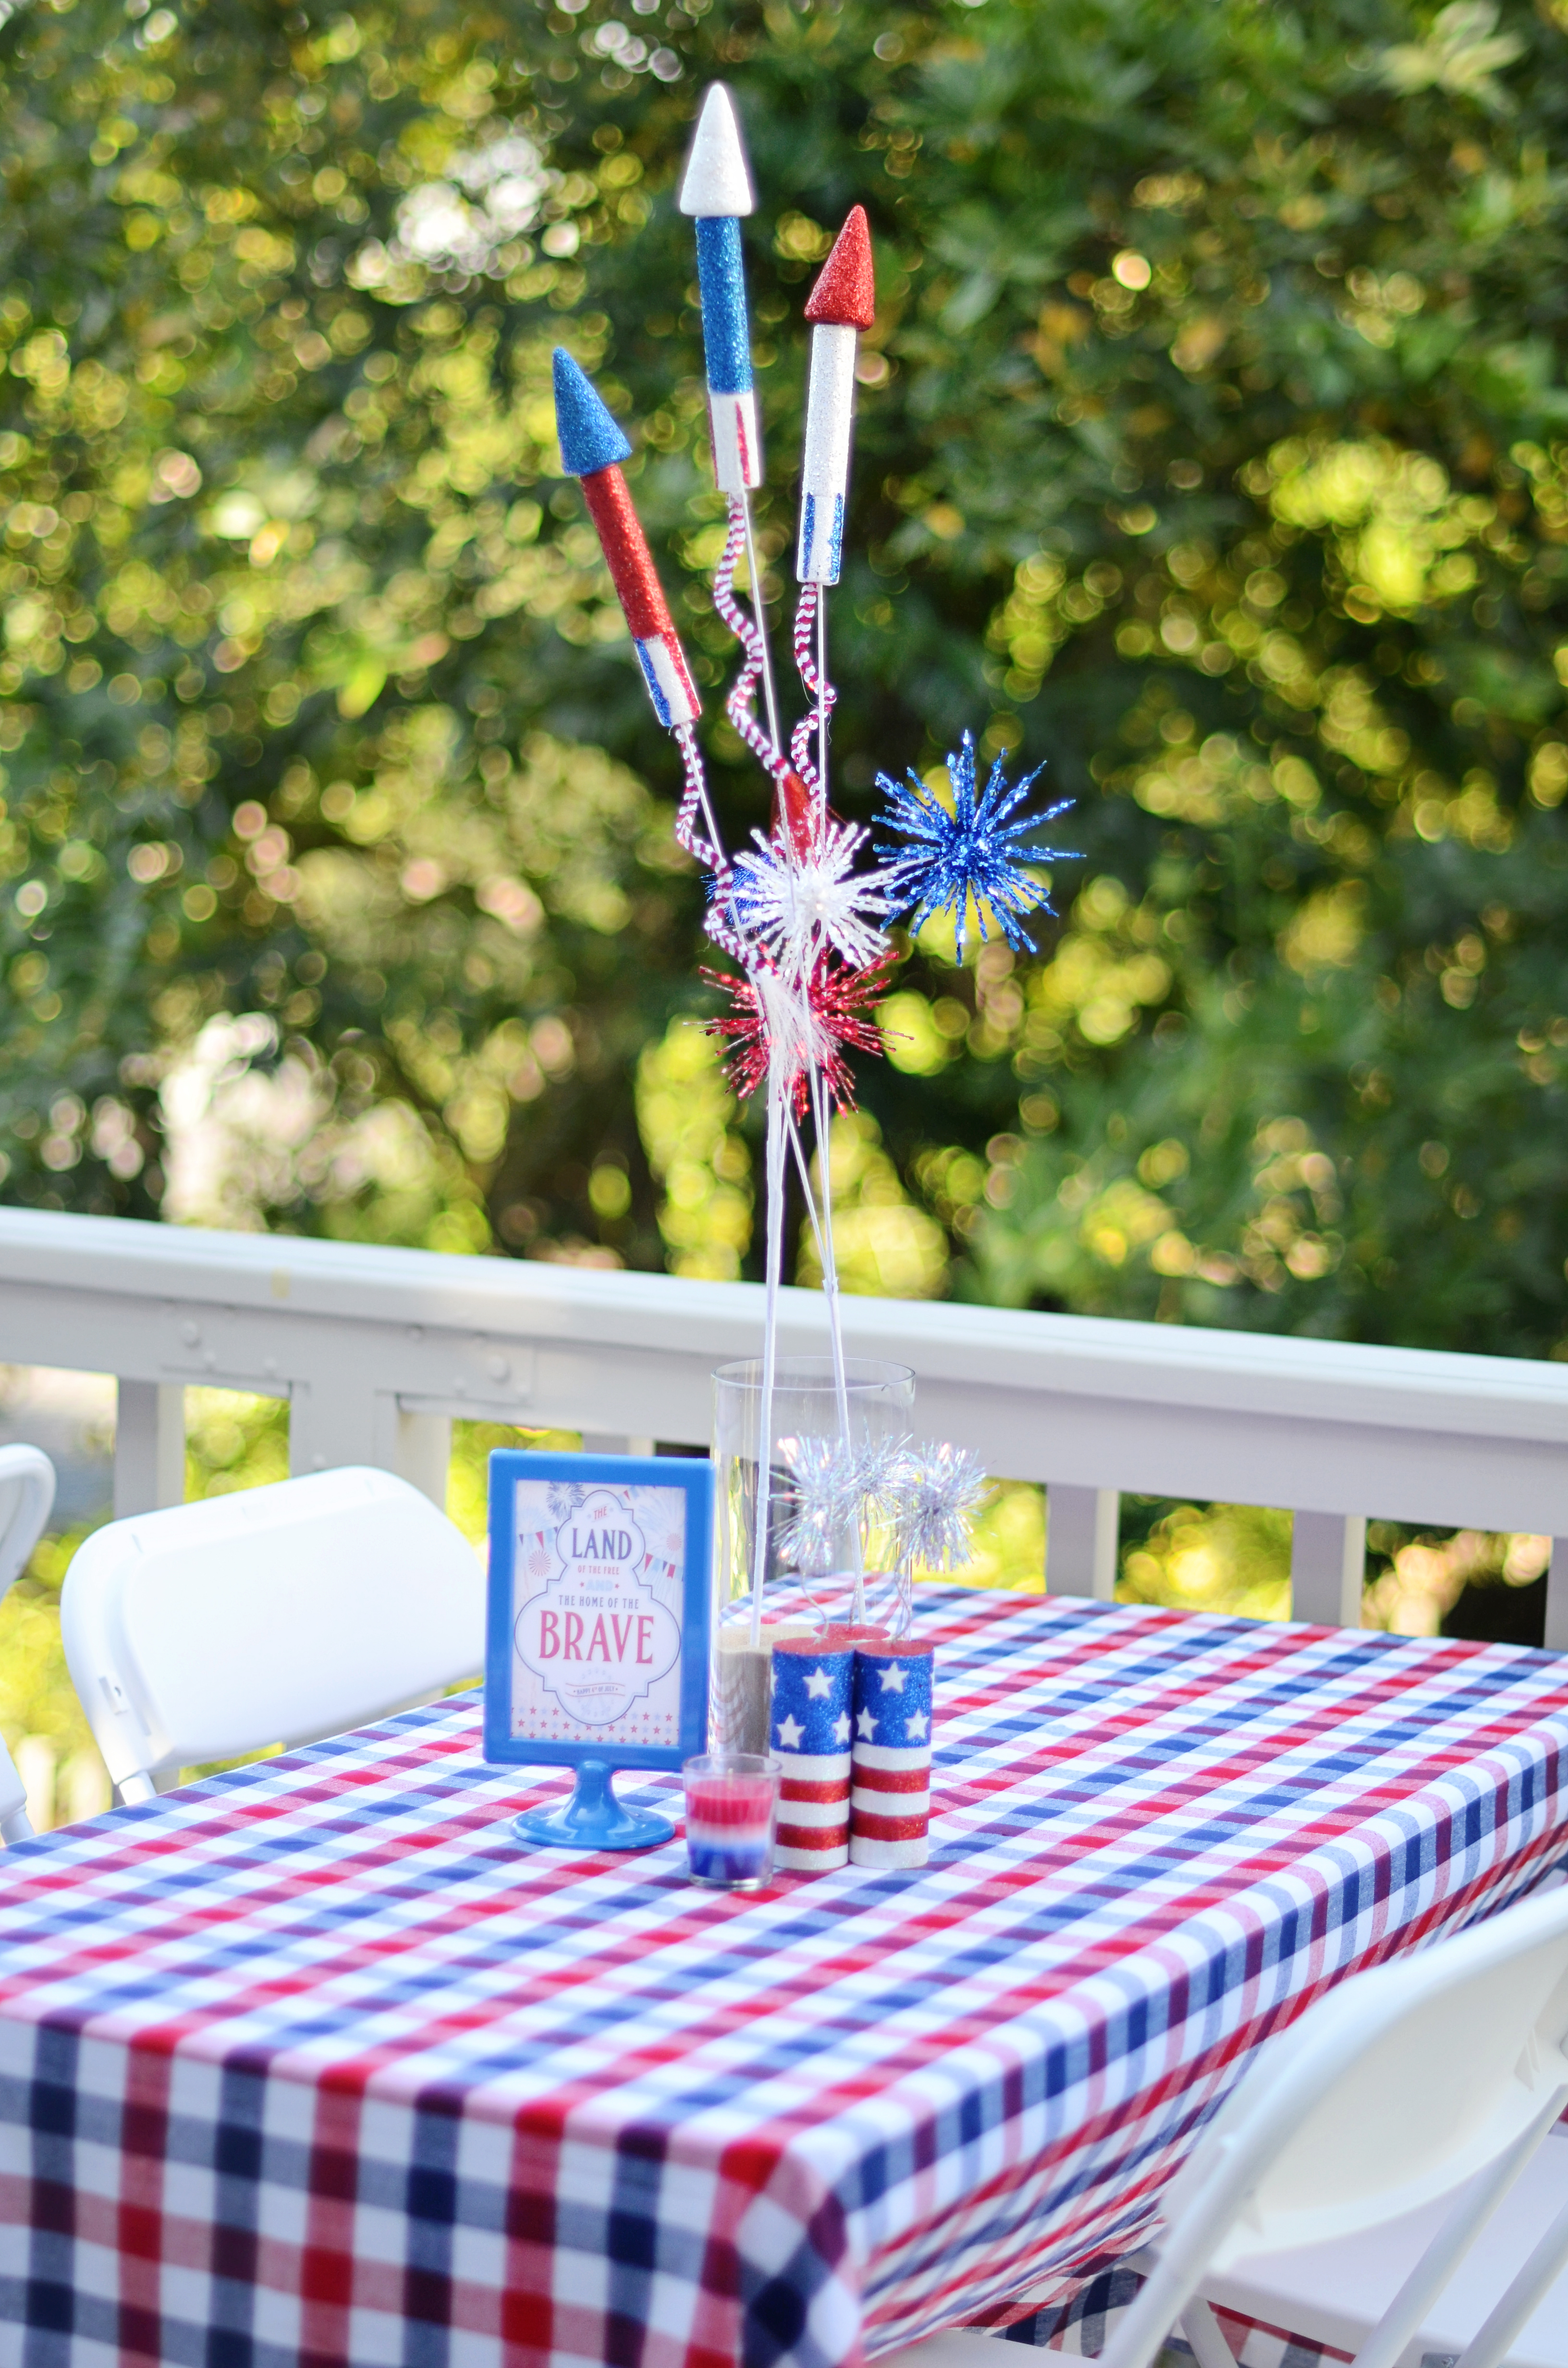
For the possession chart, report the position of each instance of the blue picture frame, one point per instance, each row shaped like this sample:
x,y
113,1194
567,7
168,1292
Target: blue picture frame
x,y
569,1475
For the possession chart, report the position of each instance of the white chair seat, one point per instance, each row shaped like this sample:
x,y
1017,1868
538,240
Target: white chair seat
x,y
1336,2293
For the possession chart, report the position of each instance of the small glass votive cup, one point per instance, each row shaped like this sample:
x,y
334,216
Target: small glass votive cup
x,y
732,1813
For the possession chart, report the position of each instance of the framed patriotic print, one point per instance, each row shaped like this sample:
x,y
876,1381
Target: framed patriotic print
x,y
598,1643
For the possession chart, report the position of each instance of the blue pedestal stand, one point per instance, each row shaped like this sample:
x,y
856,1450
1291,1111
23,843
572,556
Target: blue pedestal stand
x,y
593,1818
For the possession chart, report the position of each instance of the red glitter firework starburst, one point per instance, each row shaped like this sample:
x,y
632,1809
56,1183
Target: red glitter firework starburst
x,y
840,1003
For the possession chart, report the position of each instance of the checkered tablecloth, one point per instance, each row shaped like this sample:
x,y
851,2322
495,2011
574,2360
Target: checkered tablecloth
x,y
311,2064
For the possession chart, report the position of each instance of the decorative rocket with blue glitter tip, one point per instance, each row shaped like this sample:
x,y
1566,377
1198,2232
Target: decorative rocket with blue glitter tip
x,y
592,449
973,851
716,189
842,303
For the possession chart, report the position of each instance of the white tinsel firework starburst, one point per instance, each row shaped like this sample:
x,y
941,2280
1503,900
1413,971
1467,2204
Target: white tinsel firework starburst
x,y
799,906
932,1498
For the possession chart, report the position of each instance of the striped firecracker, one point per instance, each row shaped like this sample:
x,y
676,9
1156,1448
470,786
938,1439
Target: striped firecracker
x,y
813,1687
890,1798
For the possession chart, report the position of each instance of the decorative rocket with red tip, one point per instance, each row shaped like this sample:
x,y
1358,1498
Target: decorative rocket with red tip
x,y
843,303
592,449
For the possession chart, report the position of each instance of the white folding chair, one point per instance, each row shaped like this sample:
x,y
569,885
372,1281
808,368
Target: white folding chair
x,y
273,1615
26,1497
1346,2181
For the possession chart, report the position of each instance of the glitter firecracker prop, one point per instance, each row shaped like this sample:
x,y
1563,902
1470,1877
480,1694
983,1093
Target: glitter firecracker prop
x,y
813,1682
890,1794
592,449
842,303
800,911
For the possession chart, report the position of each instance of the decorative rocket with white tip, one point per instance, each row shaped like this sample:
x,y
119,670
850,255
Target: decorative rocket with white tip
x,y
716,188
592,449
842,303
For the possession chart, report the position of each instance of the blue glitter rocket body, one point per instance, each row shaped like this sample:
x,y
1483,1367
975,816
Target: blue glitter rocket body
x,y
726,331
716,191
976,851
809,1734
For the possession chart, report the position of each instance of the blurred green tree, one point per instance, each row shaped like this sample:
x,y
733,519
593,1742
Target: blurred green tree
x,y
1213,448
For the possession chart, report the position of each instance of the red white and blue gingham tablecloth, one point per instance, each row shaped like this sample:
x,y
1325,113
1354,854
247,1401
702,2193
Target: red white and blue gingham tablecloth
x,y
310,2064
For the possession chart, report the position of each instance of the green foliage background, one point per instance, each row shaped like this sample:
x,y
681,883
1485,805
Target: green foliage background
x,y
1213,448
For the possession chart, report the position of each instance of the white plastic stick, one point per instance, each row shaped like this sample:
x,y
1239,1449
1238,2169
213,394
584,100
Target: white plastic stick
x,y
821,1121
776,1107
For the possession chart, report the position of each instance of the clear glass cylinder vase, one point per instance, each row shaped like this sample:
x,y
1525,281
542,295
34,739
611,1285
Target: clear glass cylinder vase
x,y
856,1584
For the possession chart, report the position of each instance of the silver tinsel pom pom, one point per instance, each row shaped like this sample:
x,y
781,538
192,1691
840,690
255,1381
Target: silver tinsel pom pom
x,y
927,1495
932,1501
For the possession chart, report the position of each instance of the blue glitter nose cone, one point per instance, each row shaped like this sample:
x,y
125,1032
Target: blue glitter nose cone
x,y
589,437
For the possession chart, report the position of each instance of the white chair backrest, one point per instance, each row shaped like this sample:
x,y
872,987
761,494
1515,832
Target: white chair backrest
x,y
273,1615
1393,2089
27,1498
14,1823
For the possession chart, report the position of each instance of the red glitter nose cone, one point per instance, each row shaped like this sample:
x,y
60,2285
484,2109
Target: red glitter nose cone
x,y
846,291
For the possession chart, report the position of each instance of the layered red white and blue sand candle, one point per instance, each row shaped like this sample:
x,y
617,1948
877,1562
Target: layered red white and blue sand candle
x,y
729,1829
813,1713
890,1798
592,449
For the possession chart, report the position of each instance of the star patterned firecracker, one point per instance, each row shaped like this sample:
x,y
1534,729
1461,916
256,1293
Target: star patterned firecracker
x,y
812,1692
889,1798
976,851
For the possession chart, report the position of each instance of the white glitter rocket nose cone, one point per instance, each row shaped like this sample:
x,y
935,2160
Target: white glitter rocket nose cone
x,y
717,179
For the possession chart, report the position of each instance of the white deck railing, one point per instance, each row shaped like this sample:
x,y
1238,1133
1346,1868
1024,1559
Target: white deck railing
x,y
377,1349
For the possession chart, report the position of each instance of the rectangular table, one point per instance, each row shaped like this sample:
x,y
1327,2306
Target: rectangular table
x,y
311,2063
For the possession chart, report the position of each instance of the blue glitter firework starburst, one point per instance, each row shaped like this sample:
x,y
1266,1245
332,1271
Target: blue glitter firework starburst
x,y
974,850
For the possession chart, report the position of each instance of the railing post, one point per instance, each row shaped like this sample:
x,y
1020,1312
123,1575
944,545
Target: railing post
x,y
1081,1535
1328,1567
329,1428
149,1447
1555,1638
422,1451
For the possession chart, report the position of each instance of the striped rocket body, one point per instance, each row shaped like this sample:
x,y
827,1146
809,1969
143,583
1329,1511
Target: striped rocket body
x,y
592,449
824,465
812,1720
890,1798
